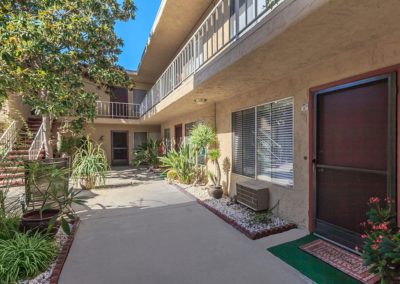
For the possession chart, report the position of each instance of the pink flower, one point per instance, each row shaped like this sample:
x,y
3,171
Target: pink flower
x,y
364,236
374,246
373,200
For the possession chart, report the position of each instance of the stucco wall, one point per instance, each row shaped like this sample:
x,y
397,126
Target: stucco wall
x,y
294,203
206,114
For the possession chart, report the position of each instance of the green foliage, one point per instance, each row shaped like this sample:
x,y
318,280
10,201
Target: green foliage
x,y
90,162
261,217
201,136
171,175
214,155
50,47
69,145
47,188
24,257
182,163
8,226
147,154
382,241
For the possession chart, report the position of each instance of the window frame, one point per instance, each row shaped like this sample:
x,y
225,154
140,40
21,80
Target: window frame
x,y
255,177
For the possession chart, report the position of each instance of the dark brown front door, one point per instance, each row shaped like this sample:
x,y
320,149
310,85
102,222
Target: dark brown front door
x,y
178,136
119,100
120,151
354,155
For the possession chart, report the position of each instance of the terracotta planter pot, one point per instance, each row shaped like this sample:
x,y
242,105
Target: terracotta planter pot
x,y
215,191
87,183
32,221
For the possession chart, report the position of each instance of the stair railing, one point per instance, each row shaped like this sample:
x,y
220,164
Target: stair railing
x,y
37,144
8,138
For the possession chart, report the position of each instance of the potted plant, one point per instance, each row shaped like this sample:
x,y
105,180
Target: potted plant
x,y
90,165
48,196
216,189
201,137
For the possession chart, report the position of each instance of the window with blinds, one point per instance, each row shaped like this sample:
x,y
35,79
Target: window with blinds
x,y
262,142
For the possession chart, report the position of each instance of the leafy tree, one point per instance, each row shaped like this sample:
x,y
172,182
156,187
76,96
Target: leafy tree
x,y
49,48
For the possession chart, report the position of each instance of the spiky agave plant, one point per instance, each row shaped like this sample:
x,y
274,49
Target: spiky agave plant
x,y
90,165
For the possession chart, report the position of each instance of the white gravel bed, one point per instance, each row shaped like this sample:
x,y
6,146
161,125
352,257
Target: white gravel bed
x,y
44,278
235,211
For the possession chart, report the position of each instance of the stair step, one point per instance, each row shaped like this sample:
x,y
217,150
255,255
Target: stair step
x,y
11,163
9,183
17,157
34,119
11,176
11,169
18,152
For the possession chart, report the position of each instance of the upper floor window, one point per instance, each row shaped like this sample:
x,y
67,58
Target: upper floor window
x,y
262,142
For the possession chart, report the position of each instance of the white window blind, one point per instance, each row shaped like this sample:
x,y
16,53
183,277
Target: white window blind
x,y
263,142
243,142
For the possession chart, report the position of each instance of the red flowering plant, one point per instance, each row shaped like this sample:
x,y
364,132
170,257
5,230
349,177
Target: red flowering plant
x,y
382,241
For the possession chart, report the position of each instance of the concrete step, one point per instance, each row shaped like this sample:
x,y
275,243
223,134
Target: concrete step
x,y
16,152
17,157
6,164
11,176
11,169
12,183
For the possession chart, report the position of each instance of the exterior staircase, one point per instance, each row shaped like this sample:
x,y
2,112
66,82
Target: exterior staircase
x,y
12,167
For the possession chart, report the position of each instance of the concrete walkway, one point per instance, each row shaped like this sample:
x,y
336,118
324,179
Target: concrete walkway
x,y
165,237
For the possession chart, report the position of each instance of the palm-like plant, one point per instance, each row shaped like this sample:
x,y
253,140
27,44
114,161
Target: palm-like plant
x,y
181,163
90,165
214,155
147,153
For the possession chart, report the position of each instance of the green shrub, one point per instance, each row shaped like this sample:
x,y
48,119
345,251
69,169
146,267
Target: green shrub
x,y
381,252
201,136
182,163
24,257
8,227
90,163
147,154
261,217
69,145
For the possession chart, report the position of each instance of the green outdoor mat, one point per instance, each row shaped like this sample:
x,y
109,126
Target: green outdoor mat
x,y
312,267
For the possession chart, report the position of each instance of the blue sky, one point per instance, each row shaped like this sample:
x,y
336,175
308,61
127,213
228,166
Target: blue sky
x,y
135,33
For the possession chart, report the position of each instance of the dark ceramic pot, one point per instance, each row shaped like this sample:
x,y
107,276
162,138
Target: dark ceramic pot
x,y
32,221
215,191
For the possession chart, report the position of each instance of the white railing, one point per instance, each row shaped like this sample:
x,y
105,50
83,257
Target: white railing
x,y
37,144
117,110
8,138
226,22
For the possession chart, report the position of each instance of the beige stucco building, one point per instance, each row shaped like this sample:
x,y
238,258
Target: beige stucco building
x,y
253,70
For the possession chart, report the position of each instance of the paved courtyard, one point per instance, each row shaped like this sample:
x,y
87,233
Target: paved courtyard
x,y
139,229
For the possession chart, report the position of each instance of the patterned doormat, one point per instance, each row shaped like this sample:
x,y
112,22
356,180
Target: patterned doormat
x,y
341,259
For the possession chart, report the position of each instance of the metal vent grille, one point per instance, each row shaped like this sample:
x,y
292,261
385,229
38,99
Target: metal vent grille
x,y
253,194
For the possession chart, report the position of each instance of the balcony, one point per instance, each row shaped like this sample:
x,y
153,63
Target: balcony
x,y
225,23
117,110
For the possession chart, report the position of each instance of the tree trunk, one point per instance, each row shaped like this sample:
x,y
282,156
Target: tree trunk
x,y
47,134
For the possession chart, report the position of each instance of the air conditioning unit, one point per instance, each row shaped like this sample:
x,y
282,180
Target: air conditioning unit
x,y
253,194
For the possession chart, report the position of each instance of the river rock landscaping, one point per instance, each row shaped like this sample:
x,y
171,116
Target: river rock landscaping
x,y
250,223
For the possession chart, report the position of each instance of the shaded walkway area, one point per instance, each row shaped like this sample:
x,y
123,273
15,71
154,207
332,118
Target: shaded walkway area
x,y
176,242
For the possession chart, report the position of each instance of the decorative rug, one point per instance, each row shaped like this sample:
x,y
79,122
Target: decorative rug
x,y
341,259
